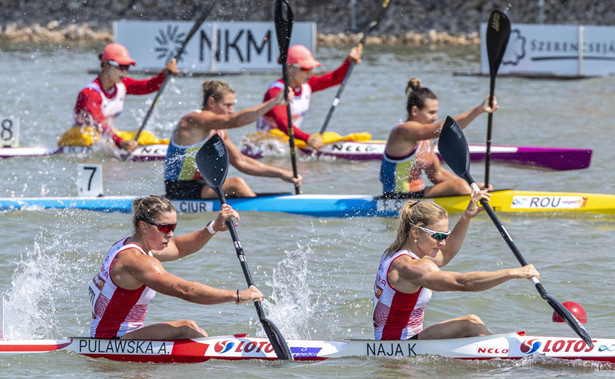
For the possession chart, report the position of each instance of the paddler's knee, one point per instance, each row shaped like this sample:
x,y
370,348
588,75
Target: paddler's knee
x,y
237,187
475,326
190,329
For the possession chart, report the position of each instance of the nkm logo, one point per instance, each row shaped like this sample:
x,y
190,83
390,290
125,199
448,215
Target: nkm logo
x,y
242,45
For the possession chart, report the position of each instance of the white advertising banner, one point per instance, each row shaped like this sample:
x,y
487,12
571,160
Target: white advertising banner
x,y
216,47
555,50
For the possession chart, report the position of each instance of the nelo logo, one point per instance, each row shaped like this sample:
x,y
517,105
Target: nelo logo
x,y
223,346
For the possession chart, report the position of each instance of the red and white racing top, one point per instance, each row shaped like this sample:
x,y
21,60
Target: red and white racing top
x,y
99,108
397,315
117,311
277,118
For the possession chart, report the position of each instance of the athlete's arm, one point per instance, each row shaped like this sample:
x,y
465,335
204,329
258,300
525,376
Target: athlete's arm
x,y
251,166
208,120
425,273
143,269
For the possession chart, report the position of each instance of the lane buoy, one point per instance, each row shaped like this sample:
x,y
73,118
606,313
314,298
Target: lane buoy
x,y
575,308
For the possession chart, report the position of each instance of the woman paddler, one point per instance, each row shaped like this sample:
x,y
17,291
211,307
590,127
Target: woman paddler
x,y
100,102
410,270
300,63
409,153
132,273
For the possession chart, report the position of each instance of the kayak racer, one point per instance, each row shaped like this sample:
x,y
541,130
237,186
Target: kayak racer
x,y
101,101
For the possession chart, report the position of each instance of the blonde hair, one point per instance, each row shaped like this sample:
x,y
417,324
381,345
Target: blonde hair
x,y
149,208
215,89
415,212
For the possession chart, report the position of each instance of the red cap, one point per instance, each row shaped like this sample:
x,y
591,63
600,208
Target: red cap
x,y
575,308
117,53
302,56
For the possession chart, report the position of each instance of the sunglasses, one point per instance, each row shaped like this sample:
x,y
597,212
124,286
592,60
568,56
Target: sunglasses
x,y
306,70
162,228
123,67
438,236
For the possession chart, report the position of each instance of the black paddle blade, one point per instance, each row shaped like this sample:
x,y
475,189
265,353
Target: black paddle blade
x,y
212,161
453,148
283,19
277,340
498,33
572,321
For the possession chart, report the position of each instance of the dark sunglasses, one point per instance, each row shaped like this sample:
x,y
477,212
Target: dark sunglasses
x,y
306,70
162,228
123,67
438,236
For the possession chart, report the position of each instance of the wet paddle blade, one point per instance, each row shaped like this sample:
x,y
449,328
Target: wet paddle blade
x,y
283,19
453,147
572,321
498,33
212,161
277,340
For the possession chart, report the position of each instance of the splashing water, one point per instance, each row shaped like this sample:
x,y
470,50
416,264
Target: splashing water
x,y
47,274
30,303
290,305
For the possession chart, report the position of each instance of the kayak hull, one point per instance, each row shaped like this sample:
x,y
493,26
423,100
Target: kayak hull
x,y
241,347
509,201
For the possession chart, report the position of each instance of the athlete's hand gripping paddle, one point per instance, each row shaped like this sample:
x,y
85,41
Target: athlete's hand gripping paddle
x,y
453,148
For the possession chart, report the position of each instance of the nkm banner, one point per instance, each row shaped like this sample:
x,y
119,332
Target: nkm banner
x,y
556,50
216,47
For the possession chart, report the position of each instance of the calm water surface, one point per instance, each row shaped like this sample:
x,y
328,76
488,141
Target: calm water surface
x,y
317,274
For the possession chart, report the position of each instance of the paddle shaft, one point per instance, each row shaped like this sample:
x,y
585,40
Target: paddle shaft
x,y
191,33
372,25
556,305
489,128
283,19
291,132
273,333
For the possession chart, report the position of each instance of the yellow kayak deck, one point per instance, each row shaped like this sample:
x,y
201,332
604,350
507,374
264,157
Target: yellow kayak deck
x,y
536,201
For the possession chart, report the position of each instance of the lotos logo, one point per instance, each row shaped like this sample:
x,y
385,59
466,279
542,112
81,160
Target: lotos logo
x,y
529,347
223,346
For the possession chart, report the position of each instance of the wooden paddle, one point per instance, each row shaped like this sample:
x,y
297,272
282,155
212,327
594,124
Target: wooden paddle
x,y
191,33
371,26
453,147
498,32
212,161
283,18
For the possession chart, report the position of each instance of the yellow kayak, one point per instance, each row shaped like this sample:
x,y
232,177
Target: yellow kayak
x,y
537,201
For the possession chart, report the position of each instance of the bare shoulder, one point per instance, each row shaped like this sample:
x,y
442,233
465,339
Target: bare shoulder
x,y
133,260
409,267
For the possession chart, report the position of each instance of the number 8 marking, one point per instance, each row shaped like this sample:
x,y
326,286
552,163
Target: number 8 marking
x,y
7,126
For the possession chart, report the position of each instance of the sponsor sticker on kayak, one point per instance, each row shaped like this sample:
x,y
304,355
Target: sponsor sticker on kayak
x,y
193,206
548,202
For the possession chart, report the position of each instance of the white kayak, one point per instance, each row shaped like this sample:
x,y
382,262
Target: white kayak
x,y
236,347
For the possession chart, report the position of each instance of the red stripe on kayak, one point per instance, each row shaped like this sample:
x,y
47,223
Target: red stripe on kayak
x,y
6,346
189,348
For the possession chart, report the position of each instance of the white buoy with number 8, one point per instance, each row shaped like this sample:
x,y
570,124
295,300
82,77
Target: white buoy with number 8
x,y
9,132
